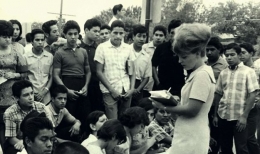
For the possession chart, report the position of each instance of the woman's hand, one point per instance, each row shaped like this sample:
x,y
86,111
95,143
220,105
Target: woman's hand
x,y
10,75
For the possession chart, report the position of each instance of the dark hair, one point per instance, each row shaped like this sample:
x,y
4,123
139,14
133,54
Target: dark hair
x,y
71,24
174,24
105,27
80,37
93,119
248,47
46,27
134,116
6,28
33,125
214,41
70,148
36,31
146,104
112,128
58,89
139,29
30,115
160,28
18,86
116,8
90,23
117,23
20,27
28,37
233,46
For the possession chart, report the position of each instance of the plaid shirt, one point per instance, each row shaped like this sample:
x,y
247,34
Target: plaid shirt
x,y
161,131
234,87
114,60
14,116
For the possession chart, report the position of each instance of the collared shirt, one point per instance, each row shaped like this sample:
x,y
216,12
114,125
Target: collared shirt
x,y
234,86
14,116
218,66
170,71
56,118
39,71
143,65
71,62
114,60
149,48
161,131
91,50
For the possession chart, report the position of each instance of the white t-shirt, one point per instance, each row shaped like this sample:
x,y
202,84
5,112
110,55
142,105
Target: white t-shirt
x,y
93,149
91,138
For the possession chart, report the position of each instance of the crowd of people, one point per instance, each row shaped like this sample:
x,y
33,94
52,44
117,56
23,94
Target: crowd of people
x,y
63,94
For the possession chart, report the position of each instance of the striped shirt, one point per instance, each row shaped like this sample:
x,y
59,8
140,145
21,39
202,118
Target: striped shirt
x,y
235,86
114,60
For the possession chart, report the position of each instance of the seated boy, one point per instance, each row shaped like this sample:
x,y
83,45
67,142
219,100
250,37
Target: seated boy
x,y
14,115
165,134
57,111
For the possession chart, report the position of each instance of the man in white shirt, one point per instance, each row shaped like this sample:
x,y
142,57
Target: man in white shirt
x,y
118,13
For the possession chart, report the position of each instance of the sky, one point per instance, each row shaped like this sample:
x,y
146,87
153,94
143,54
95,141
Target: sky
x,y
37,10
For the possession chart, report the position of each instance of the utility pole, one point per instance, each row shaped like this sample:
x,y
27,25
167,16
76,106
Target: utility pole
x,y
147,18
60,14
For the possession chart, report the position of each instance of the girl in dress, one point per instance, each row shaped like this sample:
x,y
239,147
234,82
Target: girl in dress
x,y
192,128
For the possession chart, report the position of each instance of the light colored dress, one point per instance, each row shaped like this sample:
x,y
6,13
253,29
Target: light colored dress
x,y
192,135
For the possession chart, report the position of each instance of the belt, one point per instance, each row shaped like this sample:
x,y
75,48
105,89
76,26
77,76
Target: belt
x,y
73,76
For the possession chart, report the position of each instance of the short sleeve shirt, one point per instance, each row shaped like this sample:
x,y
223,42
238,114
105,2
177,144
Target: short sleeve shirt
x,y
14,116
234,87
39,70
56,118
71,62
114,60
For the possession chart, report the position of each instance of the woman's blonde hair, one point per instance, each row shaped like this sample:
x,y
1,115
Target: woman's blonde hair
x,y
191,38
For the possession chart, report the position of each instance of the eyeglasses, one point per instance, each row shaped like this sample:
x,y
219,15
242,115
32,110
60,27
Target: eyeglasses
x,y
5,37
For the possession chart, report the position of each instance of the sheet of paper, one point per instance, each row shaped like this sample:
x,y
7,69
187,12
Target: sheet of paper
x,y
2,80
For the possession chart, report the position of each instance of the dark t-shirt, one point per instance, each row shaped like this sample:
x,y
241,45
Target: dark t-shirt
x,y
71,62
170,71
91,50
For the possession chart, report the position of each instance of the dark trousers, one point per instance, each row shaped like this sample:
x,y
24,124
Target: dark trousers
x,y
2,126
62,132
214,133
95,96
258,125
81,107
228,130
136,99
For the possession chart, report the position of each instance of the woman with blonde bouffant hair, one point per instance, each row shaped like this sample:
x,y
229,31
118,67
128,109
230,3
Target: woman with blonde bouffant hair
x,y
191,134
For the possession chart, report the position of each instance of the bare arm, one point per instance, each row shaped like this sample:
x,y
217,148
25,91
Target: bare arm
x,y
56,76
249,103
155,76
13,140
143,83
49,83
88,75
